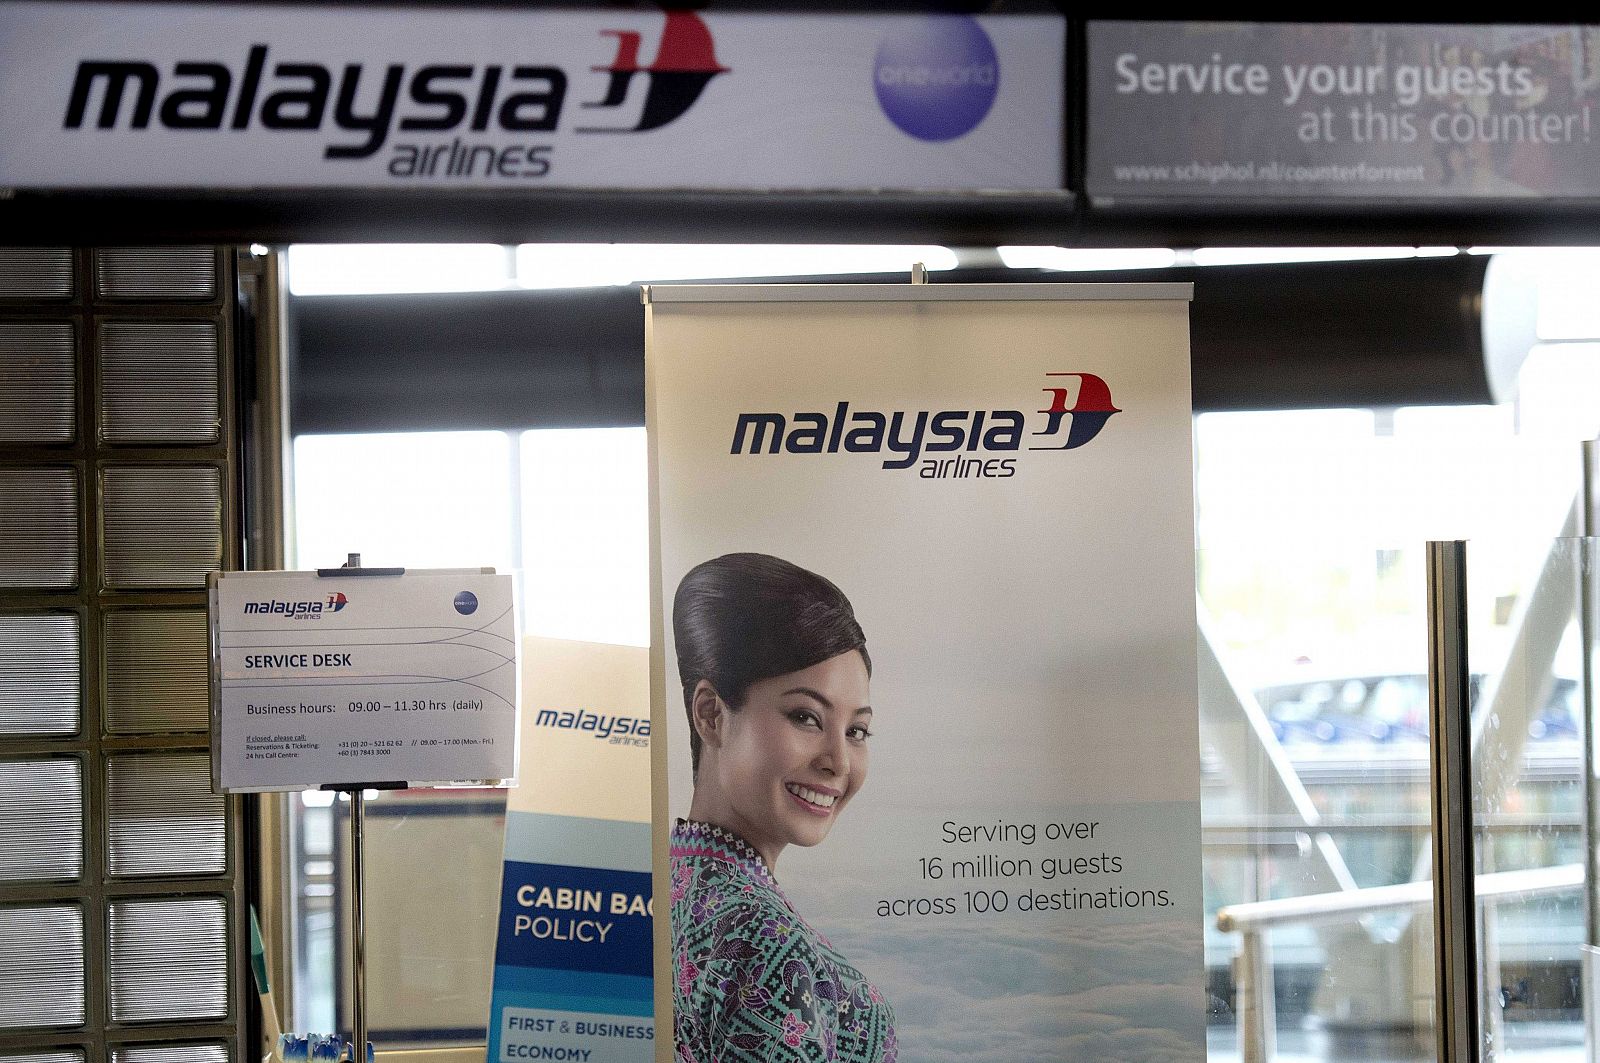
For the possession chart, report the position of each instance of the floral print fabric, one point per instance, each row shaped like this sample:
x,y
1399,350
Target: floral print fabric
x,y
753,982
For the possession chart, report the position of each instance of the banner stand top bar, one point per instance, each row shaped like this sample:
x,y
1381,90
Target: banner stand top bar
x,y
925,293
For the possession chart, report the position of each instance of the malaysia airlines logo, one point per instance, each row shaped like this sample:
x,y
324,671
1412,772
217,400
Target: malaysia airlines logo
x,y
301,610
1085,409
1078,409
422,117
685,63
614,729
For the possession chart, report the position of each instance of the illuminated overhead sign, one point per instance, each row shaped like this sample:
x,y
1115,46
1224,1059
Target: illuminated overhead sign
x,y
1247,110
234,97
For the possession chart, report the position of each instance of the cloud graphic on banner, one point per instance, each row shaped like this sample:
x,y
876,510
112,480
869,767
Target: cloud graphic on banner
x,y
1009,996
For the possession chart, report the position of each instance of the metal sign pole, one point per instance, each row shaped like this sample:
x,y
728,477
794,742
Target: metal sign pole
x,y
1588,527
358,906
1450,749
356,943
358,877
358,922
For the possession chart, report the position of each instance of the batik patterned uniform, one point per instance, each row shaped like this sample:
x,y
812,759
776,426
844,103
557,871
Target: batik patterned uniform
x,y
753,982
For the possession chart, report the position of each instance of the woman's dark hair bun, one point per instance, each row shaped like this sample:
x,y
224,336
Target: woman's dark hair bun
x,y
740,618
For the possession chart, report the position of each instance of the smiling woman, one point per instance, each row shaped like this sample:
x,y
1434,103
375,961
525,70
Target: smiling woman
x,y
776,680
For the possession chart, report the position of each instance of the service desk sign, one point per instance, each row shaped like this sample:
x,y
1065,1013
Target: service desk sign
x,y
925,587
344,680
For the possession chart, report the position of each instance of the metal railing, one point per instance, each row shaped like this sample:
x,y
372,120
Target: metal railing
x,y
1253,980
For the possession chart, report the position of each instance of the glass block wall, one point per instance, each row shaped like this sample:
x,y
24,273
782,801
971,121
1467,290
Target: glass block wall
x,y
121,907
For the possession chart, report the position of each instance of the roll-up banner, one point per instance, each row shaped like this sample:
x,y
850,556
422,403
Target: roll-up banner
x,y
924,681
573,953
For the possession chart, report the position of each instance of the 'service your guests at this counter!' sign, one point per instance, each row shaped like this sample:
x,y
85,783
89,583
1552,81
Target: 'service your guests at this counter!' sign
x,y
342,680
1323,112
925,685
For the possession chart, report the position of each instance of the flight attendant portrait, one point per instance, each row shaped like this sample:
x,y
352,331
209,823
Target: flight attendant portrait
x,y
776,683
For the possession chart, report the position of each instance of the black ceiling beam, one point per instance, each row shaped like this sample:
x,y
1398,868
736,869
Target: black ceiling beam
x,y
336,216
1375,333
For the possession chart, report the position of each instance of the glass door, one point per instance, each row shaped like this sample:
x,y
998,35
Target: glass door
x,y
1530,779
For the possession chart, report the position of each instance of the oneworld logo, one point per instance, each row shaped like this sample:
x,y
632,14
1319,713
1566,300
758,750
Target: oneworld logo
x,y
360,106
937,77
301,610
1079,407
618,730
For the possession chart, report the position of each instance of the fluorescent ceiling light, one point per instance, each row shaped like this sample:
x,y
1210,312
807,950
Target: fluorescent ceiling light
x,y
382,269
1242,256
592,265
1087,258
